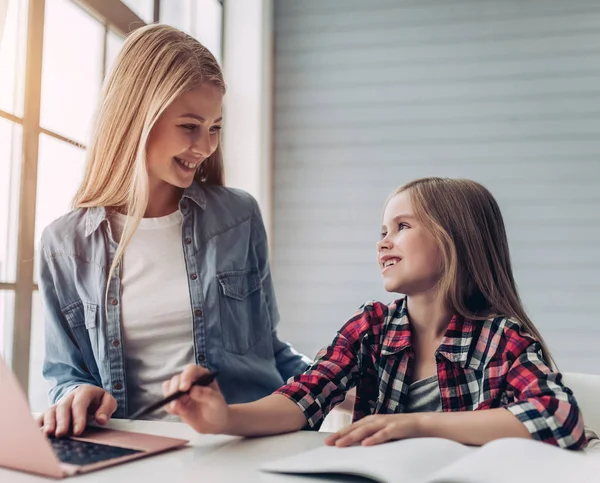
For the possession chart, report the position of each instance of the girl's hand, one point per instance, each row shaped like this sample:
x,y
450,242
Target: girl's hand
x,y
376,429
204,408
69,415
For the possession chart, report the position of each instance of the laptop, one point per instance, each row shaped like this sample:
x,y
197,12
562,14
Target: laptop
x,y
24,447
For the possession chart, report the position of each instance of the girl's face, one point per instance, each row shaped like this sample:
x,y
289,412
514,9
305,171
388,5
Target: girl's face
x,y
184,136
408,256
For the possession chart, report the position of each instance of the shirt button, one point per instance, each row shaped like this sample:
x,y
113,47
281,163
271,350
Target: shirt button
x,y
188,241
193,276
198,313
114,301
201,357
117,386
116,343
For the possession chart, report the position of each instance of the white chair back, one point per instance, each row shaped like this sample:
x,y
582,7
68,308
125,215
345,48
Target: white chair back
x,y
586,388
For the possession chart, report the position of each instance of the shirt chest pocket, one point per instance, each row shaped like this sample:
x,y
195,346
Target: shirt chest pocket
x,y
82,318
243,314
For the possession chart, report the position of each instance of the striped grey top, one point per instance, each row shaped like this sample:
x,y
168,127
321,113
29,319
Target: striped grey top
x,y
424,396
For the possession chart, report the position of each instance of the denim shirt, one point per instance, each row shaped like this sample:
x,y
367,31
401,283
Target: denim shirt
x,y
232,299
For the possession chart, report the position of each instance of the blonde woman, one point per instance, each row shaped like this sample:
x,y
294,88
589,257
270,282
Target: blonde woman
x,y
456,357
159,265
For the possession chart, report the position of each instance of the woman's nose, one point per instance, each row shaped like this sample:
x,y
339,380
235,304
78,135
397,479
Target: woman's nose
x,y
201,146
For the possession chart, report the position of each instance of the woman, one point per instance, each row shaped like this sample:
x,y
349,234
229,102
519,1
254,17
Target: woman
x,y
159,265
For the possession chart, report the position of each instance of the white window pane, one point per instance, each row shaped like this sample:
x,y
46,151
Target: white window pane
x,y
177,14
13,42
72,69
60,172
202,19
208,18
10,164
7,314
142,8
38,387
113,45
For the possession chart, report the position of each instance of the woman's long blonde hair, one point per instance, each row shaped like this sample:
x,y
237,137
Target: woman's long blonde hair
x,y
156,64
466,222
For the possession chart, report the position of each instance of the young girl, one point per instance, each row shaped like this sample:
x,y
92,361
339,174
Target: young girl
x,y
159,266
456,357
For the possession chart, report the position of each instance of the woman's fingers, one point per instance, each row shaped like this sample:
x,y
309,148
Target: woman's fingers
x,y
49,420
79,408
63,416
106,408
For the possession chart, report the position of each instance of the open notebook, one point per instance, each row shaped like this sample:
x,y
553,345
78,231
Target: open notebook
x,y
437,460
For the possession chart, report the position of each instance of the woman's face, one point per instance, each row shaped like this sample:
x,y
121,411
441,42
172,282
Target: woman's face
x,y
184,136
408,255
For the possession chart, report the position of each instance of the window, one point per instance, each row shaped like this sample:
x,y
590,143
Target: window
x,y
72,71
10,154
143,9
38,387
113,43
7,310
60,171
200,18
13,37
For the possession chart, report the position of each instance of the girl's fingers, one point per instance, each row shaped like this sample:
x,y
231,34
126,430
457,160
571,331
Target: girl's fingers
x,y
344,432
357,435
202,394
174,384
381,436
190,374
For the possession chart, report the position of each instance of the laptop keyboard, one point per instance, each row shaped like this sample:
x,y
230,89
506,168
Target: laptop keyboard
x,y
85,453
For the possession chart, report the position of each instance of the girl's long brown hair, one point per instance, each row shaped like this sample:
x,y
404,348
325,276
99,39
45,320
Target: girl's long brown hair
x,y
465,220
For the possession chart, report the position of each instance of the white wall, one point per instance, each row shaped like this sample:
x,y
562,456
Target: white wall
x,y
369,95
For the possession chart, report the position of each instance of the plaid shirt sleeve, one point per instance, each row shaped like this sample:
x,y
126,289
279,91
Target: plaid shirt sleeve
x,y
334,372
543,404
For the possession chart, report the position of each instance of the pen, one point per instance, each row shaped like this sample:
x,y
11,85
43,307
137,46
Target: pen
x,y
203,380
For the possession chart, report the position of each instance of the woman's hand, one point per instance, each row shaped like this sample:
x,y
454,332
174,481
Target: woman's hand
x,y
204,408
71,412
377,429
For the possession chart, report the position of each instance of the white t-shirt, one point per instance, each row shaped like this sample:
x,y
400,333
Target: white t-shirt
x,y
156,313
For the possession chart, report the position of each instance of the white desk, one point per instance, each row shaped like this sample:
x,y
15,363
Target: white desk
x,y
207,459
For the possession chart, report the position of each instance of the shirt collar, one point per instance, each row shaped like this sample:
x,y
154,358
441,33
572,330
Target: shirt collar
x,y
455,344
195,192
95,215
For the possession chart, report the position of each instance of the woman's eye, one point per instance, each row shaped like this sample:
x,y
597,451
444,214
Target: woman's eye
x,y
189,127
216,128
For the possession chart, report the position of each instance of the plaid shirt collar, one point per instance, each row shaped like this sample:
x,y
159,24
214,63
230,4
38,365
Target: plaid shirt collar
x,y
455,344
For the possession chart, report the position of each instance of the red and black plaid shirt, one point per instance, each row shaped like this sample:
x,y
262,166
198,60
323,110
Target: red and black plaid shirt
x,y
480,365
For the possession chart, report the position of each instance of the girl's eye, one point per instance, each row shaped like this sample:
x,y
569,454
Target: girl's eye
x,y
189,127
383,235
402,226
